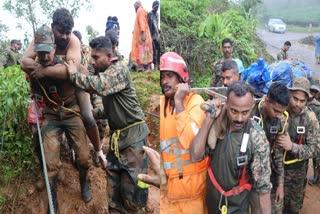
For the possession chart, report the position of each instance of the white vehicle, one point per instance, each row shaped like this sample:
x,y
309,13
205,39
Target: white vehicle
x,y
276,25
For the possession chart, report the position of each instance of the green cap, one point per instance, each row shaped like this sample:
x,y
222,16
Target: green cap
x,y
43,39
315,88
301,84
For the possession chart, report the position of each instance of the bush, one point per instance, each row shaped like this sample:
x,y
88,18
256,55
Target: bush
x,y
16,152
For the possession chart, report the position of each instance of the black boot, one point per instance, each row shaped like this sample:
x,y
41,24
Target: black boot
x,y
53,189
85,188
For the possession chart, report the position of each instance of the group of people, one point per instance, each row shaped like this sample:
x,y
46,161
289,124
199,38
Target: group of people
x,y
62,77
235,152
145,49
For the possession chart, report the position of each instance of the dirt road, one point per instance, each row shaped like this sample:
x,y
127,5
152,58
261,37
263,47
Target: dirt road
x,y
274,42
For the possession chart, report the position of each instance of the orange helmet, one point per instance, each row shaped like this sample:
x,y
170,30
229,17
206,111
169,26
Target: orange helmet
x,y
171,61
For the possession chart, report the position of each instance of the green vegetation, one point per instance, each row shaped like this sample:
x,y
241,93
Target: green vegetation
x,y
293,12
15,153
300,29
195,29
146,84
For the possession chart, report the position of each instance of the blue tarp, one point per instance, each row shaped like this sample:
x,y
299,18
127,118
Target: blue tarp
x,y
260,75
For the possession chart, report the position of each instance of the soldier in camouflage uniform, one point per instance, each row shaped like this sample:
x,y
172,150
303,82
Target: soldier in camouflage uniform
x,y
235,170
227,49
300,143
11,55
128,129
314,104
283,55
61,115
271,114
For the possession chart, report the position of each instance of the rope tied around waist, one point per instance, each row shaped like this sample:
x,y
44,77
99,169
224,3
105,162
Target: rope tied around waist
x,y
116,135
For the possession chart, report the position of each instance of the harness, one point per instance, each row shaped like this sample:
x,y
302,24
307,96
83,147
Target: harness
x,y
242,161
274,131
299,140
177,152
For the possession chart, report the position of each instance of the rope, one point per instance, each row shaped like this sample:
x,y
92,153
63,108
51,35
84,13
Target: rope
x,y
45,171
115,138
52,101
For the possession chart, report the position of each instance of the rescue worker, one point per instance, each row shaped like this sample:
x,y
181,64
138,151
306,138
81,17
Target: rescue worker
x,y
11,55
270,113
67,120
240,159
282,54
227,50
67,48
183,185
314,104
114,40
126,157
229,72
300,143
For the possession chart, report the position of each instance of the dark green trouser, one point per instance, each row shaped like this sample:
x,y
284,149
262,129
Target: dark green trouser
x,y
124,194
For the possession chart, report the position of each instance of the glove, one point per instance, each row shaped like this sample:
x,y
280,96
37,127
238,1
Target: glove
x,y
102,159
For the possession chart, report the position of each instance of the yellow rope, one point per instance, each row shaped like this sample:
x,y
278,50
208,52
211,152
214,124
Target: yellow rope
x,y
52,101
115,138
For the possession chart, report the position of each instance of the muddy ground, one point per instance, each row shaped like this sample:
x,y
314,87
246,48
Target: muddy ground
x,y
29,196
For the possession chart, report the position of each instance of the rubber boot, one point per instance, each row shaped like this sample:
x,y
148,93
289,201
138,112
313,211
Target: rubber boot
x,y
53,189
84,184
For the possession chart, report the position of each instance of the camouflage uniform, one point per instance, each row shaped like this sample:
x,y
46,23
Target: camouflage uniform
x,y
126,120
282,55
226,171
276,156
314,105
11,57
295,173
216,74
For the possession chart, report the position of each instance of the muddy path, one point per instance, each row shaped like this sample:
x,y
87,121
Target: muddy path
x,y
274,41
28,195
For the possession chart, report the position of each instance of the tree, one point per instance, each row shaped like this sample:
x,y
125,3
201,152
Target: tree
x,y
92,33
29,10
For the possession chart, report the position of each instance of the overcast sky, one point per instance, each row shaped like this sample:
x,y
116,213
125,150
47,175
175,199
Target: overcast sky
x,y
97,18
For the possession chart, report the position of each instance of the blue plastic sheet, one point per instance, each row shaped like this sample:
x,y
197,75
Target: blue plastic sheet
x,y
260,75
317,50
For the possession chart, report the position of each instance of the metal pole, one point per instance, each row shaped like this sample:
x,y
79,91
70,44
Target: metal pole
x,y
45,171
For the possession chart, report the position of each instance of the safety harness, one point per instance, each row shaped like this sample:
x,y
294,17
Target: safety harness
x,y
298,139
177,152
242,161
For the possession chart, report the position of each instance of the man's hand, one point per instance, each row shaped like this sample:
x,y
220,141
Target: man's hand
x,y
217,105
71,67
154,158
38,71
102,159
182,90
279,194
284,141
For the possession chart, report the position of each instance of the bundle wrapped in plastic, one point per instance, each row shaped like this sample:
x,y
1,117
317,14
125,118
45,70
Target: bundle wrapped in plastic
x,y
258,76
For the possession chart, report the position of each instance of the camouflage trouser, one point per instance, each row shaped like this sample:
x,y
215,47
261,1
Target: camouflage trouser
x,y
53,127
294,188
124,194
255,204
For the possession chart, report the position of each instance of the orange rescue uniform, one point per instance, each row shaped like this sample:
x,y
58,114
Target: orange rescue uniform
x,y
185,188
